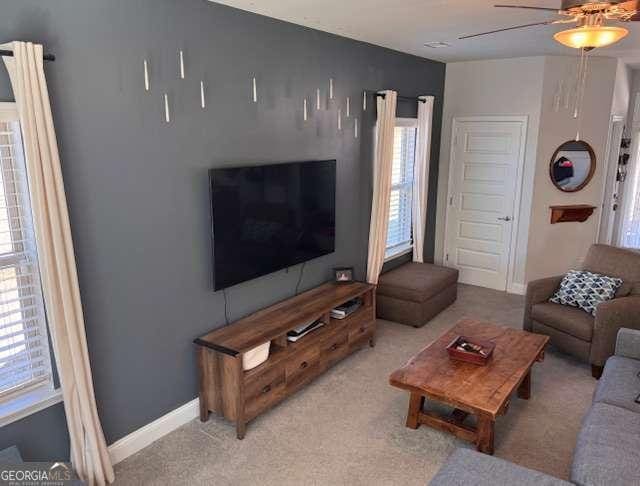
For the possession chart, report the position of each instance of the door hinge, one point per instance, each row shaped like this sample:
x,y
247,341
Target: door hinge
x,y
450,200
446,257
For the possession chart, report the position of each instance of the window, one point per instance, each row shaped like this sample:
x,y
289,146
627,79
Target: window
x,y
630,233
25,364
399,238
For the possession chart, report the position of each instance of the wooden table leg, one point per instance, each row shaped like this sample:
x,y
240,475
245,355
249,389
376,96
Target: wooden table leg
x,y
204,411
416,403
241,428
203,384
485,435
524,390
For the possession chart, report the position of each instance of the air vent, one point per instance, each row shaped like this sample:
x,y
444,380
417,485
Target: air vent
x,y
437,44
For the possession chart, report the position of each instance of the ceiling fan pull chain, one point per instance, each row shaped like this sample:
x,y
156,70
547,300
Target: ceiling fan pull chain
x,y
579,74
584,66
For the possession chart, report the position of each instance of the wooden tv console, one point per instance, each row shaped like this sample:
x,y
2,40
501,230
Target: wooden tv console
x,y
240,396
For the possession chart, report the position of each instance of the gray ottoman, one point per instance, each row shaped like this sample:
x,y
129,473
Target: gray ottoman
x,y
414,293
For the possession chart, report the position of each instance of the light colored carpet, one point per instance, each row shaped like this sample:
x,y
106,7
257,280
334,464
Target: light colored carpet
x,y
347,427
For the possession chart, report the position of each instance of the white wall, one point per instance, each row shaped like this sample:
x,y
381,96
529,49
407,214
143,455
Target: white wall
x,y
495,87
554,248
526,86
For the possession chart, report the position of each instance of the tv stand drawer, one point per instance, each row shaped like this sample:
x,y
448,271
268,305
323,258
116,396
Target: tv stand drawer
x,y
302,367
361,330
264,390
335,348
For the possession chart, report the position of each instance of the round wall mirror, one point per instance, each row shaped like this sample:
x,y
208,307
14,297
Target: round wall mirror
x,y
572,165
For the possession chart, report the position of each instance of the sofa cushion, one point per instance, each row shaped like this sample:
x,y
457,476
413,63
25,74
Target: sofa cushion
x,y
608,447
416,282
570,320
619,384
466,467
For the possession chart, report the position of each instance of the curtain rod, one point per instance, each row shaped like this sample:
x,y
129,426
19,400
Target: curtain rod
x,y
403,98
46,57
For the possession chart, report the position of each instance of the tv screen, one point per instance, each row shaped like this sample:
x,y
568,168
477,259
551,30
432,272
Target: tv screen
x,y
270,217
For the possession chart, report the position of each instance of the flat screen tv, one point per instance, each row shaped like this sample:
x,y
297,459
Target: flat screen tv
x,y
270,217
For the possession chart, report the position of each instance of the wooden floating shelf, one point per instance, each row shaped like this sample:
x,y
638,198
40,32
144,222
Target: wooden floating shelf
x,y
573,213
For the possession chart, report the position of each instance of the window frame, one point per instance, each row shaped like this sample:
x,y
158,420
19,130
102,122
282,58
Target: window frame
x,y
31,397
403,249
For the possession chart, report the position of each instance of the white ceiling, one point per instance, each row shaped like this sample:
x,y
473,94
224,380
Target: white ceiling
x,y
406,25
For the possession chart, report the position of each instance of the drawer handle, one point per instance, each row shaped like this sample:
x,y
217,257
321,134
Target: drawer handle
x,y
266,389
304,364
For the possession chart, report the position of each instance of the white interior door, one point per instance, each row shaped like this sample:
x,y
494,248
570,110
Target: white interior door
x,y
486,165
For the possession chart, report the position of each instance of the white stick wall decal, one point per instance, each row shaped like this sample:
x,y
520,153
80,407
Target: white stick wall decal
x,y
348,107
167,115
355,127
146,75
330,88
305,109
339,119
255,91
318,99
181,64
203,103
364,101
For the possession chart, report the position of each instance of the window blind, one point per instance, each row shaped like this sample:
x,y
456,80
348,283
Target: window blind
x,y
24,347
404,148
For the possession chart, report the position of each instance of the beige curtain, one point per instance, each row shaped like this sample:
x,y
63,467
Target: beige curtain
x,y
89,453
382,160
421,176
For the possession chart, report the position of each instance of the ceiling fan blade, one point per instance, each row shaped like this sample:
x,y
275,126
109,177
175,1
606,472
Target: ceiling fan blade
x,y
529,8
631,6
508,28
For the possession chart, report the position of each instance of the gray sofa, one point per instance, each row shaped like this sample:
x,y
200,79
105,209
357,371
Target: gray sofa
x,y
608,446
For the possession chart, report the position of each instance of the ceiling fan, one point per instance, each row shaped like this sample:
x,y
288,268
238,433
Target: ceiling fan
x,y
590,17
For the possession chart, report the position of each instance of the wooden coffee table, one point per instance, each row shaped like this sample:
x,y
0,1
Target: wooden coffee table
x,y
482,391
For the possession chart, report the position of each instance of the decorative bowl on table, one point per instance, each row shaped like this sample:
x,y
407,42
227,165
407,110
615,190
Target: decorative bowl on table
x,y
470,350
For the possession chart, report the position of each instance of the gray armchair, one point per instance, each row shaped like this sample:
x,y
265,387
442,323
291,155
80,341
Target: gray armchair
x,y
573,330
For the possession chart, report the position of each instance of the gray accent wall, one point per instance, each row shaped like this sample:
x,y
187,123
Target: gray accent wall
x,y
137,187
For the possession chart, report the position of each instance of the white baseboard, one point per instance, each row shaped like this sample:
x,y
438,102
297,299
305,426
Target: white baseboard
x,y
141,438
517,288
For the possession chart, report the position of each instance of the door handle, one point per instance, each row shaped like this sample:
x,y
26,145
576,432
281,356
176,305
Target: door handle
x,y
506,218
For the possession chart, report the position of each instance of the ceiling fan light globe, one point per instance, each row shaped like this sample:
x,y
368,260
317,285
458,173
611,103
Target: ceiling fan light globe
x,y
590,36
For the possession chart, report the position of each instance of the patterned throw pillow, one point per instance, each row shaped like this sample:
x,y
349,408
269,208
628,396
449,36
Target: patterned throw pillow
x,y
585,290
